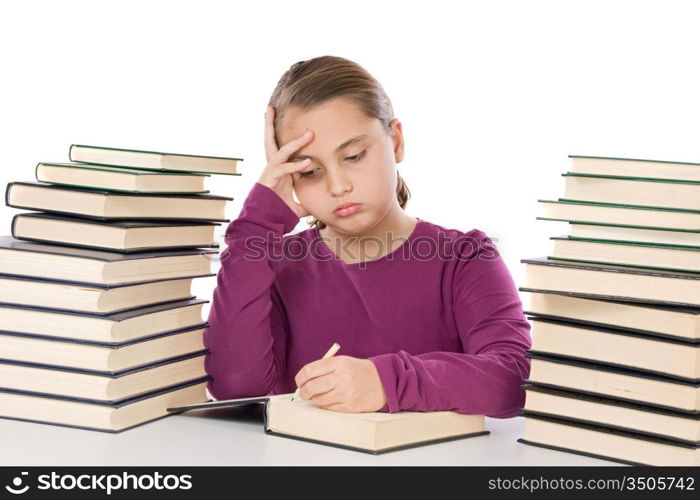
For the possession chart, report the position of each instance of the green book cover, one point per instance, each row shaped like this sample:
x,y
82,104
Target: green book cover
x,y
620,264
633,179
655,228
153,153
665,246
567,201
640,211
635,159
117,170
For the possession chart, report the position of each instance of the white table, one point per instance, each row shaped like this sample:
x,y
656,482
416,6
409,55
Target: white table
x,y
236,437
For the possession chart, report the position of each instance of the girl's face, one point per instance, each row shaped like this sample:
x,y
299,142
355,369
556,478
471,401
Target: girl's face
x,y
353,160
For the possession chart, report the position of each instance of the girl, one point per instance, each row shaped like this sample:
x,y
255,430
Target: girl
x,y
427,318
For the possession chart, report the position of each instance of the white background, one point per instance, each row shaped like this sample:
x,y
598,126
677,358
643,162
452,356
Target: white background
x,y
493,96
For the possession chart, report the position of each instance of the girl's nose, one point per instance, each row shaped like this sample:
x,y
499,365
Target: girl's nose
x,y
338,185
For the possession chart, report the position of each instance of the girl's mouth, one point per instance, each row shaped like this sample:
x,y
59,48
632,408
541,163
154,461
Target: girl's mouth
x,y
347,210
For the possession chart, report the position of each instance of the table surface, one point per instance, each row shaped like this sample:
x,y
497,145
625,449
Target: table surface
x,y
235,436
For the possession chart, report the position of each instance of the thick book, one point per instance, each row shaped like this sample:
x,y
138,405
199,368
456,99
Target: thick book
x,y
103,386
676,322
107,205
633,191
57,262
373,432
153,160
678,237
608,412
633,167
613,282
74,353
616,214
116,235
607,443
119,179
89,298
624,384
618,253
99,415
105,328
659,355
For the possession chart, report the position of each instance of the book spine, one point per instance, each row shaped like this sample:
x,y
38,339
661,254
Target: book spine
x,y
266,416
36,172
12,226
7,193
70,152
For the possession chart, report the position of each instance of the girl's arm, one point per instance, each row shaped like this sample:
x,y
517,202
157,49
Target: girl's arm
x,y
246,336
485,379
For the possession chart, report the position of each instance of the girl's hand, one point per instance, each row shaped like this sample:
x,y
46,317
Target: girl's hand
x,y
277,175
342,383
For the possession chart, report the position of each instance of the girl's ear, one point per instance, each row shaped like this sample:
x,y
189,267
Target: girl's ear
x,y
396,134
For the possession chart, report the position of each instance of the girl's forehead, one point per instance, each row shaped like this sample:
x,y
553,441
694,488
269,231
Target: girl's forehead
x,y
334,119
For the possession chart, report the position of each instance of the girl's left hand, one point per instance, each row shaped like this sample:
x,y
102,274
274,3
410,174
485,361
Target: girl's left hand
x,y
342,383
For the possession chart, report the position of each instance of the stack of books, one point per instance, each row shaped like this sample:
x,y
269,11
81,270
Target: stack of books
x,y
615,356
98,325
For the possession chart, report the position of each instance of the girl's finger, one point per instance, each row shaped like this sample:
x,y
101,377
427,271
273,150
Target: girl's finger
x,y
330,398
275,173
314,369
317,386
270,142
285,151
294,166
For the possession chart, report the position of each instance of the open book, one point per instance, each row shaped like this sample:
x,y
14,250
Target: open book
x,y
368,432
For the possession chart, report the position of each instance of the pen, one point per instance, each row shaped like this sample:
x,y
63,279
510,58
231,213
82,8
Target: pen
x,y
334,348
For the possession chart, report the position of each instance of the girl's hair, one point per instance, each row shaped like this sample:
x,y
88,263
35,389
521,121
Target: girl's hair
x,y
309,83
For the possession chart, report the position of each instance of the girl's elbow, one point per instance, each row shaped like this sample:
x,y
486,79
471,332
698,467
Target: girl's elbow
x,y
510,399
227,383
226,387
509,407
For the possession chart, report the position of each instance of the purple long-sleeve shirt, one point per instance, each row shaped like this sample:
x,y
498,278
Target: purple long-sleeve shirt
x,y
445,328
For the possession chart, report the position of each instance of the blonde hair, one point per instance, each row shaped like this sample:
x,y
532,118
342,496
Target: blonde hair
x,y
309,83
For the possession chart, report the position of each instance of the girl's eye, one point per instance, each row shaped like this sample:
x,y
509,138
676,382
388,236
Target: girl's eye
x,y
354,159
357,157
308,173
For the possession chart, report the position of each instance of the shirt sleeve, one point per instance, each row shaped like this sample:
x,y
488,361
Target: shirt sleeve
x,y
246,333
485,378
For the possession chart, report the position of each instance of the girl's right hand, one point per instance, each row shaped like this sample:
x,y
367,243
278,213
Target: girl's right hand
x,y
277,175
